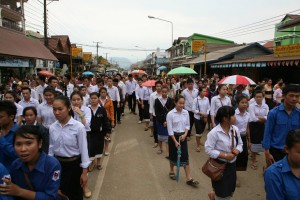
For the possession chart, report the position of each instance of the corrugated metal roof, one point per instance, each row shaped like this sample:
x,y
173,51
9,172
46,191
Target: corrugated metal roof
x,y
17,44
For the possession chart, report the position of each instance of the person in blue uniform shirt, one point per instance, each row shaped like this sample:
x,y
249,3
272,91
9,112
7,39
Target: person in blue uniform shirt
x,y
282,179
34,175
4,174
8,112
281,120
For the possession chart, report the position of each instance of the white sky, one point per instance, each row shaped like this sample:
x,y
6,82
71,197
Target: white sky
x,y
124,23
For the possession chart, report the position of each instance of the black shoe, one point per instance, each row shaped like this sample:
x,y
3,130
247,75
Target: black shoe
x,y
119,122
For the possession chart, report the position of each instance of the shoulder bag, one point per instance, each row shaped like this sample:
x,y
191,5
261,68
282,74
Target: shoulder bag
x,y
214,168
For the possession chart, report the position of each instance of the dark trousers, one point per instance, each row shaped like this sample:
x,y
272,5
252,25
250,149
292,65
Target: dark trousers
x,y
155,130
278,154
70,179
191,114
117,112
141,115
122,106
132,102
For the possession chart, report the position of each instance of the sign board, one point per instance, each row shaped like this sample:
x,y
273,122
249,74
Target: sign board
x,y
287,50
8,62
77,52
197,45
87,57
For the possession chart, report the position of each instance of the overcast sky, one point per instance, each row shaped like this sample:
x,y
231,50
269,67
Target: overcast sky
x,y
124,23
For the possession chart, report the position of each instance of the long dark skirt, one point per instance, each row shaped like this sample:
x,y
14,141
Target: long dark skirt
x,y
146,114
270,103
70,179
184,159
95,144
256,135
200,126
226,186
242,159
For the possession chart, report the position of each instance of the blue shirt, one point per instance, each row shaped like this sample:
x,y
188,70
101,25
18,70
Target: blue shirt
x,y
280,182
279,123
7,151
3,172
45,177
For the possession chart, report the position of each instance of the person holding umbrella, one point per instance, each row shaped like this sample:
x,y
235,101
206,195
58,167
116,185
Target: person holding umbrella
x,y
178,125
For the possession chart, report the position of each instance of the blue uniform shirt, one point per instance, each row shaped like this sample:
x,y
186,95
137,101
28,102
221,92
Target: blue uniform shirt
x,y
3,172
280,182
7,151
279,123
45,177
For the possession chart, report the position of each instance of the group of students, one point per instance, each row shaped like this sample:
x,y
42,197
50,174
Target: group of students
x,y
249,125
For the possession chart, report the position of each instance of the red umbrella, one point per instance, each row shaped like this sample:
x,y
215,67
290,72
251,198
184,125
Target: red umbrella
x,y
149,83
237,80
45,73
138,72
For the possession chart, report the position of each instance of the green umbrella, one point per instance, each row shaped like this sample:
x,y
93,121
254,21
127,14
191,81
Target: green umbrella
x,y
181,70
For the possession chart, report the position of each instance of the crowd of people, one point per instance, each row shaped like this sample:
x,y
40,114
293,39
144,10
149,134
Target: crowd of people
x,y
55,130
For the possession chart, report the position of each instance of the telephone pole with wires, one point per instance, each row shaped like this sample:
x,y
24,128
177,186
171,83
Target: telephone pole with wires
x,y
97,46
45,22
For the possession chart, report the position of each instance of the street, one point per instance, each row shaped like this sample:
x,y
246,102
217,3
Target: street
x,y
135,171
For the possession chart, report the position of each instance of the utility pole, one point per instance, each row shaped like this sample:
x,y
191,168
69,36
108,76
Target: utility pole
x,y
106,55
45,24
97,46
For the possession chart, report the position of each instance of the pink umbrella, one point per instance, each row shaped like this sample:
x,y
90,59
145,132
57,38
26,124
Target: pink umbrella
x,y
139,71
149,83
45,73
237,80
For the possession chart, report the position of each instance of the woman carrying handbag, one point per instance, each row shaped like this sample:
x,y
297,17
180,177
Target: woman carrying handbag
x,y
223,144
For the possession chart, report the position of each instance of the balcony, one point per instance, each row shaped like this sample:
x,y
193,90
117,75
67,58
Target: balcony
x,y
11,25
11,11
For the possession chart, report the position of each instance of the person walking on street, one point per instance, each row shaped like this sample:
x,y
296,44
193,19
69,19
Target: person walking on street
x,y
130,93
178,124
114,94
139,94
281,120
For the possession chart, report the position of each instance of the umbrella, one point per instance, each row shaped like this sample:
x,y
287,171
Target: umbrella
x,y
45,73
88,73
178,162
237,80
162,68
182,70
149,83
139,71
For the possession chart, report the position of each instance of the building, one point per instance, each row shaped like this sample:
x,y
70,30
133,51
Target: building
x,y
19,55
287,32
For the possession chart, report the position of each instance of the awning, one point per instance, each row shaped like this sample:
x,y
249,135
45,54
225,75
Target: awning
x,y
16,44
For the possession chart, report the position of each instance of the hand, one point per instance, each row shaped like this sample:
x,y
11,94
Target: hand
x,y
230,156
143,106
112,124
235,151
165,124
177,144
182,137
83,179
77,110
118,106
107,135
10,188
151,117
269,158
249,146
213,125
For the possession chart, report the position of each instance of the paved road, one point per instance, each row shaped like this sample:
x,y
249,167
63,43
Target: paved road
x,y
134,171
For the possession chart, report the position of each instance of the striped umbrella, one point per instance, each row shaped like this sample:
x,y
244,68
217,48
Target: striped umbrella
x,y
237,80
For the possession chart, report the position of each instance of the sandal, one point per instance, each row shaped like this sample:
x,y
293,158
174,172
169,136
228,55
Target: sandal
x,y
146,129
198,149
192,182
91,167
159,151
172,176
254,166
99,167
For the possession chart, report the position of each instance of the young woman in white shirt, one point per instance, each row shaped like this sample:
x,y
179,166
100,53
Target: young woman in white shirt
x,y
12,96
178,125
258,117
69,145
219,147
82,114
201,108
45,110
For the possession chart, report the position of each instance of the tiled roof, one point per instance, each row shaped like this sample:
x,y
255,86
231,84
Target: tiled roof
x,y
17,44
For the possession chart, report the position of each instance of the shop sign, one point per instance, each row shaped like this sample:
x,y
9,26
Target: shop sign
x,y
9,62
287,50
77,52
197,45
87,57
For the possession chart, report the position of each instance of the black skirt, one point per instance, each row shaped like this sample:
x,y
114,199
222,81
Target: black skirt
x,y
200,126
256,132
95,142
184,159
242,159
226,186
146,114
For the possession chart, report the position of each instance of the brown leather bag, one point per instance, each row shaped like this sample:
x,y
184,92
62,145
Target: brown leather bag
x,y
214,169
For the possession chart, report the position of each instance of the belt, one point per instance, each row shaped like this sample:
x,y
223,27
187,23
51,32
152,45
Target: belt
x,y
178,133
67,159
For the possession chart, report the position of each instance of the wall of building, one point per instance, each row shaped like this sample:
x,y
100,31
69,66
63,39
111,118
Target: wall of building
x,y
250,52
286,38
